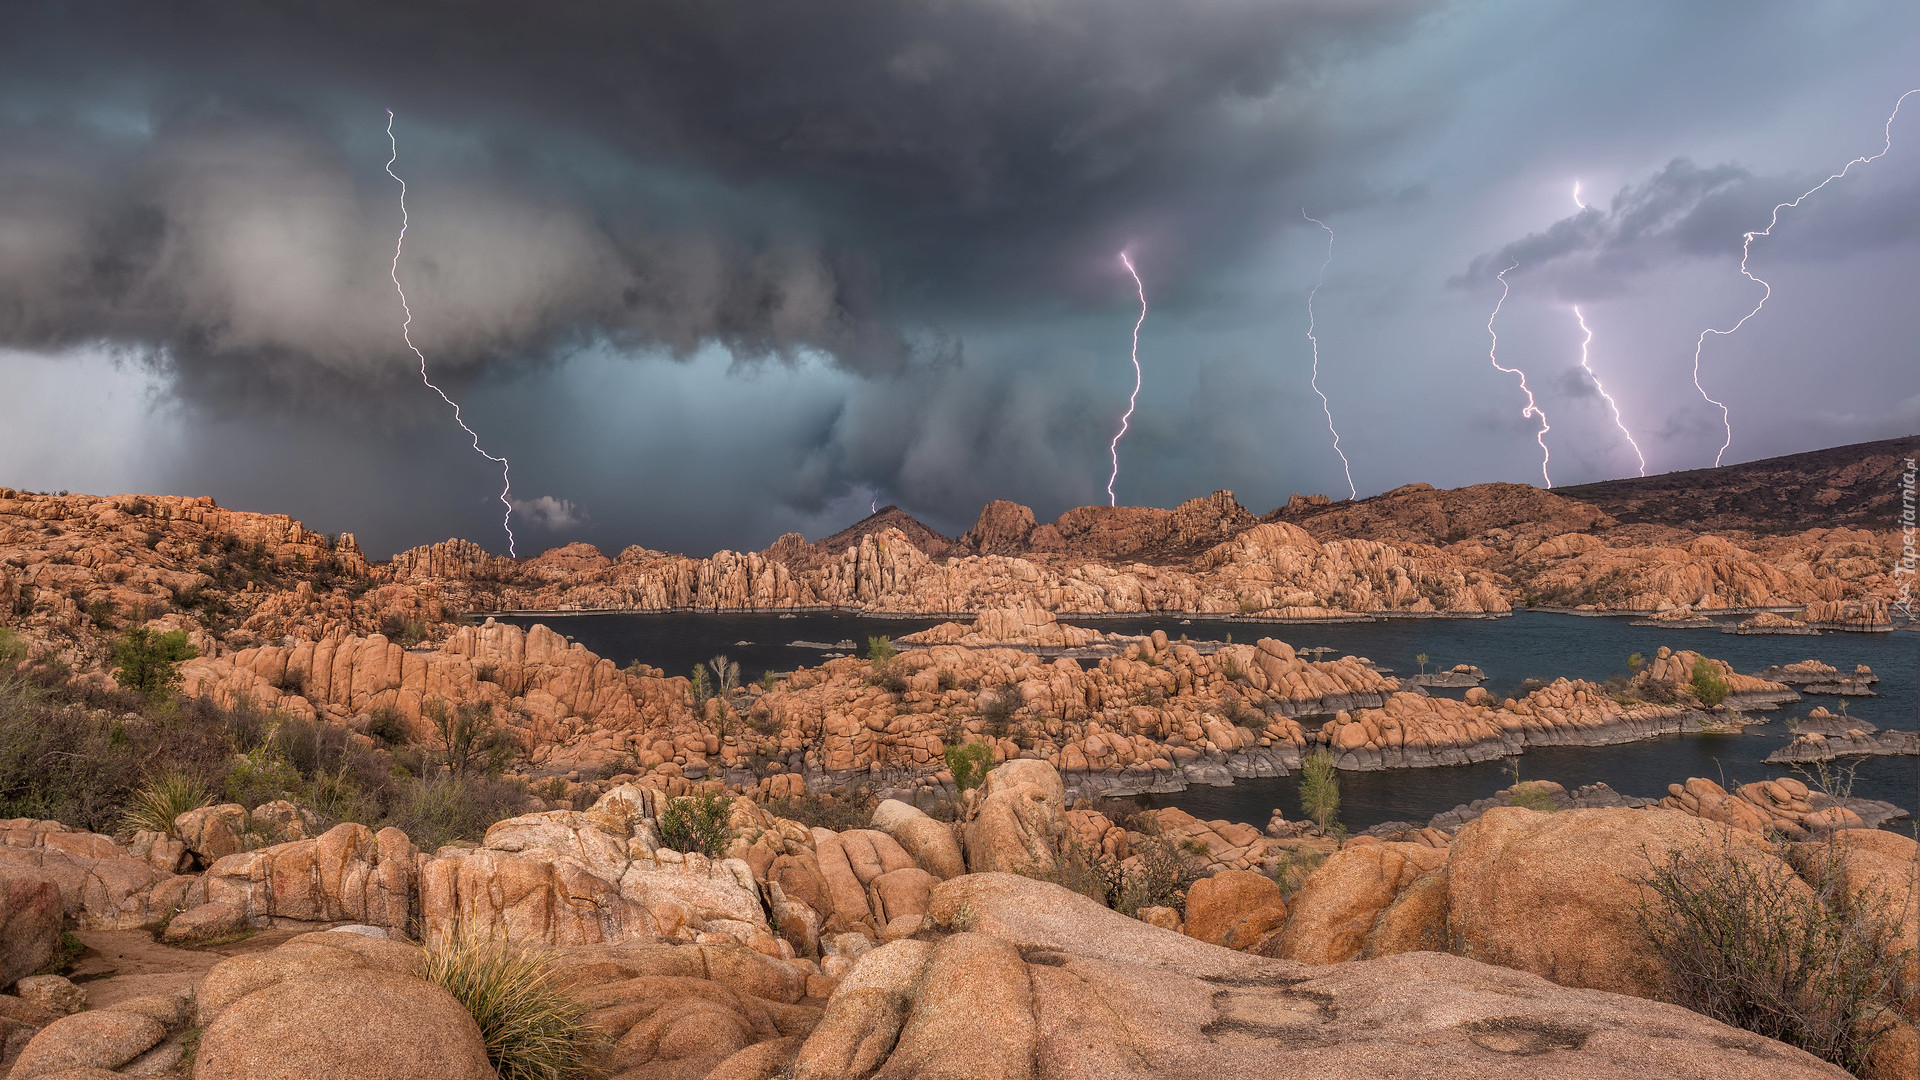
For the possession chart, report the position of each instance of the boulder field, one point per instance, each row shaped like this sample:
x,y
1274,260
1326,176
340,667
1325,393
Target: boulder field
x,y
1510,948
73,567
1158,716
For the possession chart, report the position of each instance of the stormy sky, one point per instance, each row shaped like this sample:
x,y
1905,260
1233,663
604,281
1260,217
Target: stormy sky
x,y
710,272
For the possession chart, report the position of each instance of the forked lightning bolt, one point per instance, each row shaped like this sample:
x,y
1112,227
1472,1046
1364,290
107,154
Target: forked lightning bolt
x,y
1533,407
1746,251
1611,404
506,479
1352,492
1127,417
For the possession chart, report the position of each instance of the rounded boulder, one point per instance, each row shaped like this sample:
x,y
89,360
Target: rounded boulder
x,y
364,1023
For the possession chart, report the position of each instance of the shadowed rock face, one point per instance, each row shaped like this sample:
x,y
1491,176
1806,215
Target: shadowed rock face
x,y
1854,486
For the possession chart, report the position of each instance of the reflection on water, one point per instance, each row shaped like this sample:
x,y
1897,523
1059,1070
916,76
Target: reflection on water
x,y
1509,650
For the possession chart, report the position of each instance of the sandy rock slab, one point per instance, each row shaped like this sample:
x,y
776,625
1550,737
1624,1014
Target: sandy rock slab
x,y
1108,997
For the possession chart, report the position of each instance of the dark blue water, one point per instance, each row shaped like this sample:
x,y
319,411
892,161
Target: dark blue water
x,y
1528,645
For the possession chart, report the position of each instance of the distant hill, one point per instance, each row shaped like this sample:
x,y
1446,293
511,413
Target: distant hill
x,y
1857,486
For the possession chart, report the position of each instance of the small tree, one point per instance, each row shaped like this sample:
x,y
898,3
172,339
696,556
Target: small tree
x,y
968,762
726,675
468,739
1707,686
1320,790
148,662
880,649
1635,662
699,687
1421,659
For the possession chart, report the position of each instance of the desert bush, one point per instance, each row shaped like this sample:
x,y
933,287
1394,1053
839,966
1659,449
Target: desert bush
x,y
13,650
467,739
384,725
262,774
880,649
1706,685
1320,789
439,810
1158,875
1291,870
848,808
698,688
969,762
533,1029
403,630
1087,871
160,801
997,708
149,663
696,823
1802,958
890,675
768,680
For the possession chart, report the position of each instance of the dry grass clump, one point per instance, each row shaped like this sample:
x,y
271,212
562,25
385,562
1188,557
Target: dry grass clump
x,y
164,799
1799,957
533,1029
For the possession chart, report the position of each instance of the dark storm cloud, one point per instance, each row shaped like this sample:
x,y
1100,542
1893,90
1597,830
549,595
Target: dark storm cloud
x,y
1686,211
200,179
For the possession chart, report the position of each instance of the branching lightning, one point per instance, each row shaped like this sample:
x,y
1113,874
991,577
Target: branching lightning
x,y
1127,417
1352,492
1746,251
506,480
1533,407
1611,404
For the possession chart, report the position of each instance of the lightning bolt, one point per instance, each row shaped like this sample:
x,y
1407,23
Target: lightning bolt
x,y
1127,417
1746,251
1612,404
506,480
1576,196
1352,492
1533,407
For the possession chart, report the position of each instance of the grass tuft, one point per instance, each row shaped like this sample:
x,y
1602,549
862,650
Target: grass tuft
x,y
161,801
533,1029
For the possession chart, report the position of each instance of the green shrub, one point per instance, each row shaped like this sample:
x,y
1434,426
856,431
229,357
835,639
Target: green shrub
x,y
880,649
169,795
533,1029
262,774
1320,790
696,823
698,687
969,762
13,650
149,663
1707,686
1802,958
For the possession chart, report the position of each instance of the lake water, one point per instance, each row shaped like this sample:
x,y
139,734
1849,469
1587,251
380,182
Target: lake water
x,y
1527,645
